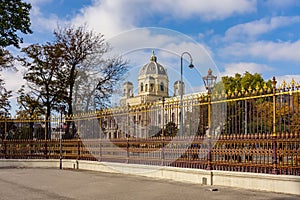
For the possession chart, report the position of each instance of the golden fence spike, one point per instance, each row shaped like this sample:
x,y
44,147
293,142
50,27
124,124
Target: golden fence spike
x,y
232,95
265,87
261,91
243,90
257,87
250,90
229,92
283,84
236,91
293,82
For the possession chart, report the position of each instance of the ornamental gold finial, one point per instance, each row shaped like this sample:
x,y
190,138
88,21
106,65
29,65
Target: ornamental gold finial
x,y
283,84
293,82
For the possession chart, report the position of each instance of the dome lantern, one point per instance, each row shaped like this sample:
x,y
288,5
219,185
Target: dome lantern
x,y
153,57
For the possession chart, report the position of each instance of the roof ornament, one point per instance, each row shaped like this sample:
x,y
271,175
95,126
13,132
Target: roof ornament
x,y
153,57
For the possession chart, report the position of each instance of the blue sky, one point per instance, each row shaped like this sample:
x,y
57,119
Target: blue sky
x,y
235,36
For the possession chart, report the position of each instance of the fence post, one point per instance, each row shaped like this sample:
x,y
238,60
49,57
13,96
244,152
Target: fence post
x,y
209,131
46,149
5,149
163,151
127,150
5,127
274,134
100,141
78,149
100,150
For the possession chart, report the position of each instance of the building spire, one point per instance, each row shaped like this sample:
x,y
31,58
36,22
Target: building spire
x,y
153,57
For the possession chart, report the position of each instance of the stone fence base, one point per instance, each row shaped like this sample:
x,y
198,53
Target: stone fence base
x,y
266,182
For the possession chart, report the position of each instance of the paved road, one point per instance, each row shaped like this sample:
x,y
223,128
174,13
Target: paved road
x,y
65,184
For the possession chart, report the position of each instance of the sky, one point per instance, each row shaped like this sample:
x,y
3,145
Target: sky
x,y
229,36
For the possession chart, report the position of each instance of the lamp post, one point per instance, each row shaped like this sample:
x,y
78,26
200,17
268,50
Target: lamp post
x,y
209,82
62,111
181,87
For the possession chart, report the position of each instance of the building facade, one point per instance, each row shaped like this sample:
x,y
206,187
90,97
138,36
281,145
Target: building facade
x,y
151,109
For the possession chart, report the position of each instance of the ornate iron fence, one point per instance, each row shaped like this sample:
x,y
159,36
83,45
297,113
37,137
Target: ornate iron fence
x,y
251,130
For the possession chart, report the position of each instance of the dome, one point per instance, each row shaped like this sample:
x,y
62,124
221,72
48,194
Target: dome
x,y
178,82
127,83
153,67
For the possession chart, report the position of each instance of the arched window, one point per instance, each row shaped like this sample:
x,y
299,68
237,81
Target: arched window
x,y
151,87
162,88
130,92
124,92
142,87
146,88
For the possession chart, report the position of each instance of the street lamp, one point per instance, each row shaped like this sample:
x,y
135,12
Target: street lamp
x,y
209,82
62,111
181,87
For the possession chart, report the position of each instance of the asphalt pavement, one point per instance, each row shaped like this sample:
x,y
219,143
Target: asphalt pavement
x,y
37,183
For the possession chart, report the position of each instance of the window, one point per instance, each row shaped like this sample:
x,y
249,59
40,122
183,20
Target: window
x,y
162,88
146,88
142,87
124,92
151,87
129,92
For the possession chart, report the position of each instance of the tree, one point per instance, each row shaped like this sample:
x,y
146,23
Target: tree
x,y
6,59
46,76
14,17
4,102
239,82
245,115
83,53
29,104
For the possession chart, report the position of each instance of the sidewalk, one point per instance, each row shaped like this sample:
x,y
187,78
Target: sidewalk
x,y
35,183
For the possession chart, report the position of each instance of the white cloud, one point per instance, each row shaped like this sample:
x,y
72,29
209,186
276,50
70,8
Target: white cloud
x,y
13,80
288,79
172,42
258,27
208,10
275,51
241,67
111,17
